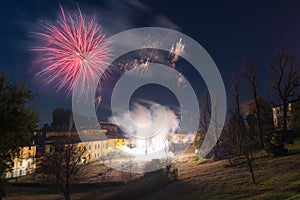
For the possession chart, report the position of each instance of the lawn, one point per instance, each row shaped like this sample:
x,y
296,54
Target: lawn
x,y
277,178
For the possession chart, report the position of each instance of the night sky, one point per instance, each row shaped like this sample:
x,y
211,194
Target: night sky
x,y
231,31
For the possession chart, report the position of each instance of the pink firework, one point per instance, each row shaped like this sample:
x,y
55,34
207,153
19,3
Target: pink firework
x,y
74,53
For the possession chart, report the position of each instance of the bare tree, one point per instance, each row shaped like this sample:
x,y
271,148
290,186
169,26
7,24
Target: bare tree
x,y
128,165
249,71
235,93
168,159
285,76
207,117
243,143
205,111
63,165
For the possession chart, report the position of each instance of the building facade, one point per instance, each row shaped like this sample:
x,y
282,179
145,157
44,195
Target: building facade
x,y
25,164
95,143
278,116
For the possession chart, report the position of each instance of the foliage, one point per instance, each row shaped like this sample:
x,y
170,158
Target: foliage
x,y
199,136
266,115
285,82
249,71
296,117
275,142
17,122
236,129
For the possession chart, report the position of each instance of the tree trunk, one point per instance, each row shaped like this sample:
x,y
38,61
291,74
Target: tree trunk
x,y
67,195
285,110
1,190
230,161
67,187
258,116
3,184
260,127
216,151
250,166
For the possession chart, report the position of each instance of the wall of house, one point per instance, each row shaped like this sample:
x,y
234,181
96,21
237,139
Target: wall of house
x,y
25,164
278,117
96,149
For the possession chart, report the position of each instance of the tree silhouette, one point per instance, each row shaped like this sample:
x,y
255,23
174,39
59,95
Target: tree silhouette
x,y
249,71
17,124
285,81
64,164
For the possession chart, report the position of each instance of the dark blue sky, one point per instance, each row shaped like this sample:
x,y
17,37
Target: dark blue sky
x,y
231,32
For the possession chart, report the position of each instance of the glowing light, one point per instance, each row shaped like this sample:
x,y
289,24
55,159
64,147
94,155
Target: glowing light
x,y
146,142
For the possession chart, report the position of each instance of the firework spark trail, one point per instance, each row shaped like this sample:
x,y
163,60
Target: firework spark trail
x,y
175,51
97,101
150,54
74,53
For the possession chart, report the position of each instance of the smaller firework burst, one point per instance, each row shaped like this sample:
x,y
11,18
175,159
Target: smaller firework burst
x,y
181,80
98,101
175,51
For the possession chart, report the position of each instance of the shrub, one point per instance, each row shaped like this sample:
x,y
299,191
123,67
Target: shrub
x,y
274,142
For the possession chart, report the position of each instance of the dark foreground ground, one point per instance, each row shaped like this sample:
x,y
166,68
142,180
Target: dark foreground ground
x,y
277,178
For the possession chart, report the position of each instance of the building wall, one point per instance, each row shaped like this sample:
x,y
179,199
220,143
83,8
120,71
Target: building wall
x,y
278,117
117,143
95,149
25,164
49,134
112,144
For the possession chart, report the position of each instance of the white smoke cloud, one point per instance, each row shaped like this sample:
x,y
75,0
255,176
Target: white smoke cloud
x,y
147,126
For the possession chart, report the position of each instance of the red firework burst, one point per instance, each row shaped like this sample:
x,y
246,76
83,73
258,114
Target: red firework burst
x,y
73,53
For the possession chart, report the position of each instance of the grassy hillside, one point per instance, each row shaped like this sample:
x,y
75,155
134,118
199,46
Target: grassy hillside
x,y
277,178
